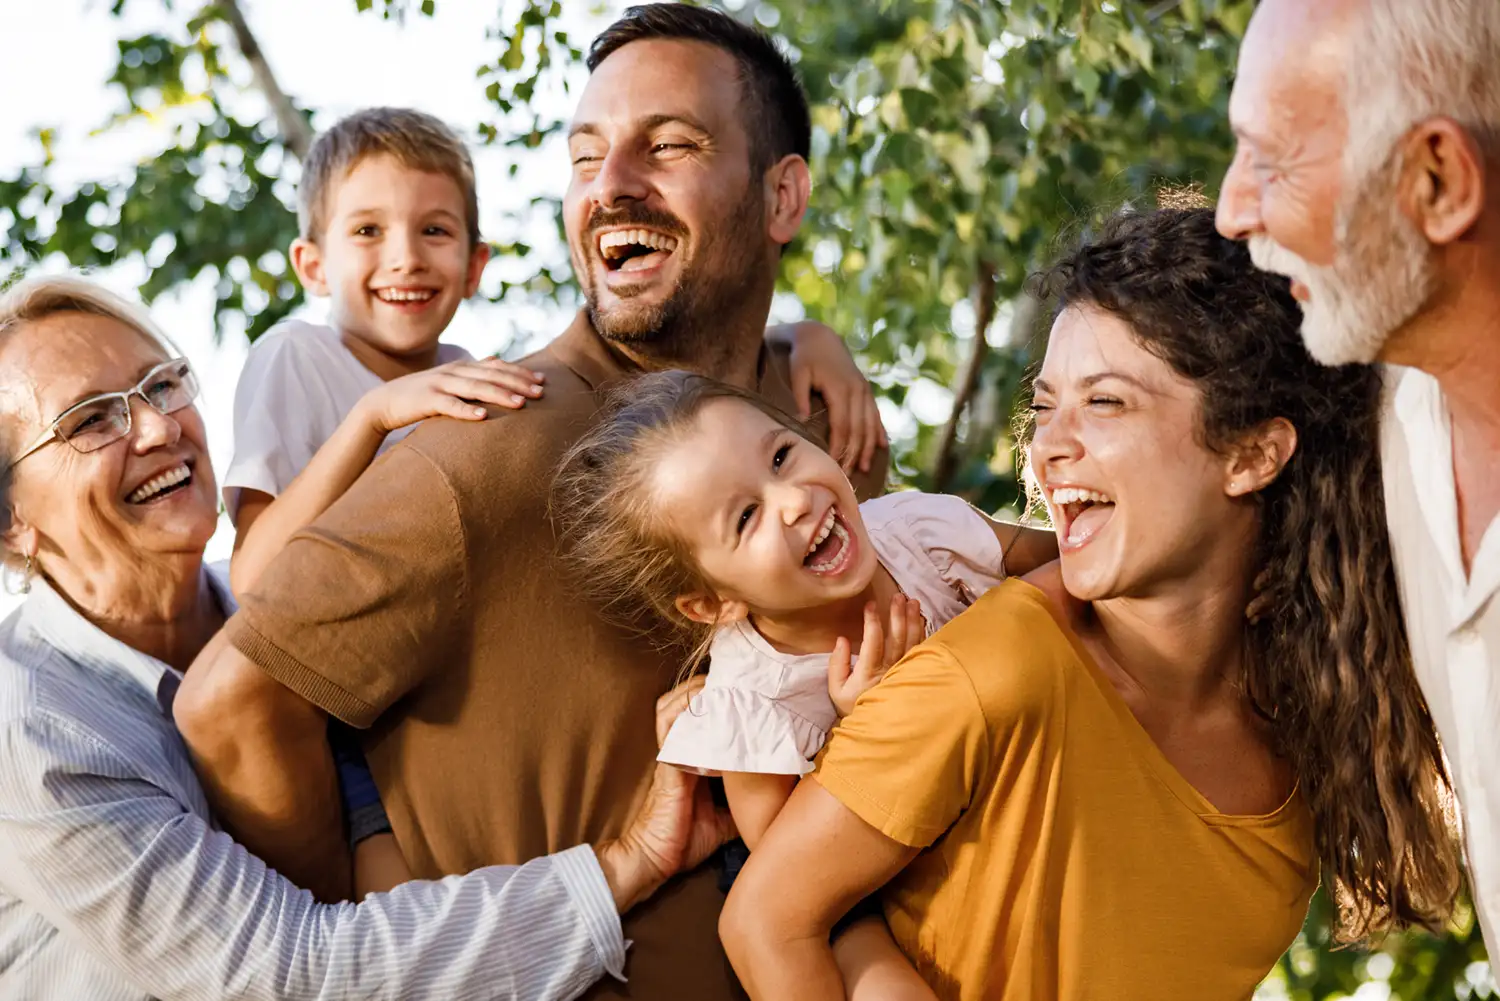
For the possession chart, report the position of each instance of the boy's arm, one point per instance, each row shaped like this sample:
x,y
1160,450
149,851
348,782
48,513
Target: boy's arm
x,y
264,524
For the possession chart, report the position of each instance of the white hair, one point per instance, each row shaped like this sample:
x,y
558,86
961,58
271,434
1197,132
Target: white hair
x,y
1412,60
34,299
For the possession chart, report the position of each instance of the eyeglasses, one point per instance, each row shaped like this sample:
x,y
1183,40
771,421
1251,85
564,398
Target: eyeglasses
x,y
103,420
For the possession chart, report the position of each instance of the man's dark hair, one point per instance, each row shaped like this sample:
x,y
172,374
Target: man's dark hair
x,y
771,96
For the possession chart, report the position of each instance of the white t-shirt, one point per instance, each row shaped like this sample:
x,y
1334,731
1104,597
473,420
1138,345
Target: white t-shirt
x,y
1452,617
769,712
297,386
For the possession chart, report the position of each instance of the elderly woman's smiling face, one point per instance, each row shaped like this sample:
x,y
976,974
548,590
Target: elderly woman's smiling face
x,y
80,513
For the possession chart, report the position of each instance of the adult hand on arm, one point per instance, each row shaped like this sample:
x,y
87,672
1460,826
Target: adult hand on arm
x,y
262,754
264,524
816,862
676,828
821,363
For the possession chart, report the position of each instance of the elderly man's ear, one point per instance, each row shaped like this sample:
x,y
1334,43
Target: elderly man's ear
x,y
1443,183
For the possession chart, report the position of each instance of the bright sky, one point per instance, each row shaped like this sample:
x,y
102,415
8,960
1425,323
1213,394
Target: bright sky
x,y
59,54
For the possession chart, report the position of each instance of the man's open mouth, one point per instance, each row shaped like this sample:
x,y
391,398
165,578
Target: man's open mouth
x,y
635,249
832,546
1082,513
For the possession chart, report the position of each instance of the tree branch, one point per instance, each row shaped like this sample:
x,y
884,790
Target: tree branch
x,y
984,314
296,133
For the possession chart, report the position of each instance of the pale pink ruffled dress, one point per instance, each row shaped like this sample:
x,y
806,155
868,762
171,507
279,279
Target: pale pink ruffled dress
x,y
766,711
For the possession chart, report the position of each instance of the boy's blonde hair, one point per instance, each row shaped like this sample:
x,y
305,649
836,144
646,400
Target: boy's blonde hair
x,y
416,139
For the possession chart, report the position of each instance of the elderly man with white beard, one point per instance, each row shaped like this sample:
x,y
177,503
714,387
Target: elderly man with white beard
x,y
1368,171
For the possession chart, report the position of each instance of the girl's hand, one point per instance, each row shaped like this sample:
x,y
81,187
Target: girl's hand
x,y
821,362
457,389
878,651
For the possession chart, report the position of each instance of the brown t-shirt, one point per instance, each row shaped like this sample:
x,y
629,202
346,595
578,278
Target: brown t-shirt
x,y
506,720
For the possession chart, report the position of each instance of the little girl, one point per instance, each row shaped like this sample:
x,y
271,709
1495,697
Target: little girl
x,y
700,514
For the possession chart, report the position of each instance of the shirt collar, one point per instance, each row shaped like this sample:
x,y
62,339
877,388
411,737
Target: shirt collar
x,y
49,615
1426,426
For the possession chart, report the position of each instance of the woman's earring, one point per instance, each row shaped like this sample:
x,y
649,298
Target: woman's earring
x,y
26,576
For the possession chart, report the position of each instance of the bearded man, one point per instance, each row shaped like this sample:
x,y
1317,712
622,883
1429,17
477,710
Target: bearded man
x,y
429,605
1368,171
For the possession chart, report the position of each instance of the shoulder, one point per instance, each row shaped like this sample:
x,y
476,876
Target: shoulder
x,y
925,514
1011,649
291,340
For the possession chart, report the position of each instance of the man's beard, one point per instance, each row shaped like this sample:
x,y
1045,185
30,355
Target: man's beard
x,y
689,325
1381,276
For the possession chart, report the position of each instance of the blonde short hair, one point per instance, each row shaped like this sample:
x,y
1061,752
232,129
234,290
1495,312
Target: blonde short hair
x,y
417,140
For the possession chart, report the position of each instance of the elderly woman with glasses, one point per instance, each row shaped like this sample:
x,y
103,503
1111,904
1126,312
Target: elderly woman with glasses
x,y
115,884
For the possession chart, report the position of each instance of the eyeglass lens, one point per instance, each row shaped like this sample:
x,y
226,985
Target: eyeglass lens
x,y
95,423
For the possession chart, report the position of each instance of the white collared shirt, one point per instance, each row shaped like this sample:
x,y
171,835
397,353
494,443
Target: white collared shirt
x,y
116,886
1452,618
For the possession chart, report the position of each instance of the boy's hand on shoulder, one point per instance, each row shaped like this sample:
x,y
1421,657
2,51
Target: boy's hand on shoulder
x,y
821,363
879,650
458,389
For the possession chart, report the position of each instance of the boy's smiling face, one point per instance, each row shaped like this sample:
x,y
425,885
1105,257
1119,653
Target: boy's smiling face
x,y
394,256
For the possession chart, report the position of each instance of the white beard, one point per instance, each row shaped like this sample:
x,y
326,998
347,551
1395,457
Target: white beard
x,y
1382,275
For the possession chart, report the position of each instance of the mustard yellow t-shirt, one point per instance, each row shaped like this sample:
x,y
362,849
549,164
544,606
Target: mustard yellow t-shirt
x,y
1064,856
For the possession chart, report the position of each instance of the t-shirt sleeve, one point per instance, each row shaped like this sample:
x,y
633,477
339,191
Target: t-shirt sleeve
x,y
361,606
281,418
958,540
908,758
737,730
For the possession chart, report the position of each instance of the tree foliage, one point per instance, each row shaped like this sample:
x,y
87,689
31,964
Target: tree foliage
x,y
957,142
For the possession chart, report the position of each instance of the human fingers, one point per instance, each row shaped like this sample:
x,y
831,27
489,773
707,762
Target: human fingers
x,y
896,631
854,403
502,373
875,433
838,425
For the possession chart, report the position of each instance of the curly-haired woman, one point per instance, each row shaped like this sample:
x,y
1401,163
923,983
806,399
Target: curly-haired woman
x,y
1119,776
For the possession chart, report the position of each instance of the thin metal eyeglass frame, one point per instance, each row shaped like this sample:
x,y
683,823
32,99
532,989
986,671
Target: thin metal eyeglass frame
x,y
51,434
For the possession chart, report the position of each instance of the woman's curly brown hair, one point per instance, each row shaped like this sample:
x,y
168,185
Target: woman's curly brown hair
x,y
1327,661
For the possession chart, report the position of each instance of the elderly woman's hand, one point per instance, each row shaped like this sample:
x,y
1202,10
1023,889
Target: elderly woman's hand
x,y
675,829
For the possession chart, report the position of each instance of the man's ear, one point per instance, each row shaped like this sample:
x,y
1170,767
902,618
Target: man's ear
x,y
1260,457
477,260
1443,183
788,187
707,610
307,261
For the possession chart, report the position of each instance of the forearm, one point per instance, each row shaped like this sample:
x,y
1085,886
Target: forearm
x,y
332,471
262,755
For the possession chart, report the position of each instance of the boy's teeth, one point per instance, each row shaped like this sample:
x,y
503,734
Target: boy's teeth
x,y
404,295
1075,495
157,484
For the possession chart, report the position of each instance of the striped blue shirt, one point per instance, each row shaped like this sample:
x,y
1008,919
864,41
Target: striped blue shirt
x,y
115,885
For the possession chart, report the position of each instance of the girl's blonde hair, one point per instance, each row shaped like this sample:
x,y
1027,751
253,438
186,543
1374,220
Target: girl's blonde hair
x,y
620,550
